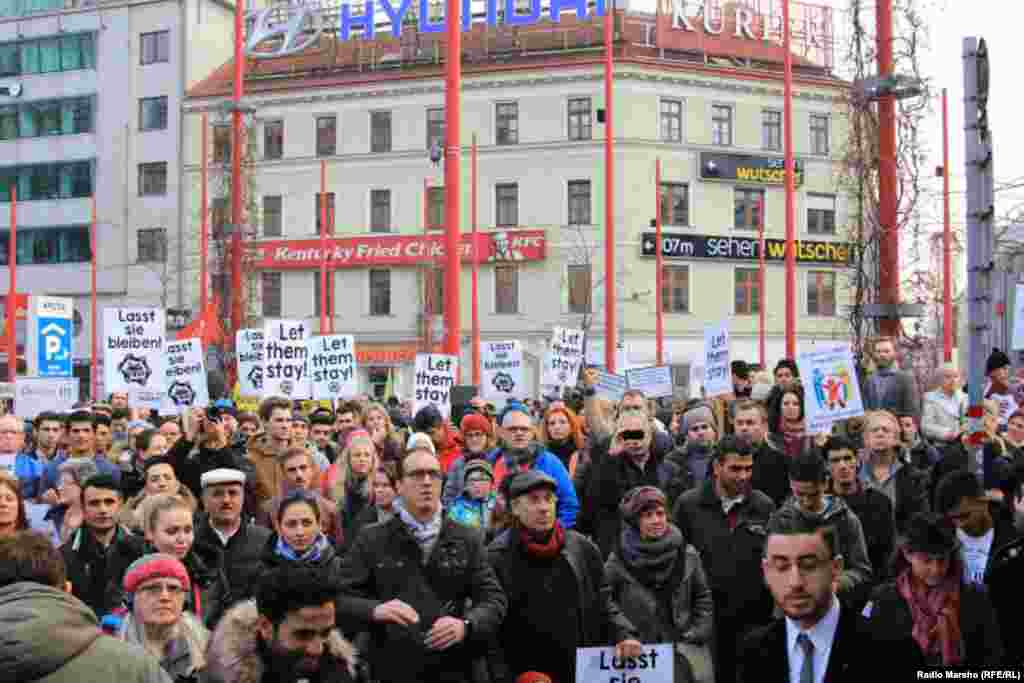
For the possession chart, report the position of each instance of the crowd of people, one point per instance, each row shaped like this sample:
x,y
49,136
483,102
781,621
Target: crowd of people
x,y
368,542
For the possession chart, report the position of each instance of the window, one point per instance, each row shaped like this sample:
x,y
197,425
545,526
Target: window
x,y
46,117
721,125
506,289
271,287
821,292
433,284
8,122
272,216
748,291
380,131
435,207
506,202
580,120
380,291
329,202
326,136
506,123
49,55
273,139
580,288
771,130
819,134
153,179
155,47
317,298
675,289
64,180
671,121
579,202
675,204
220,218
49,245
380,210
153,113
152,245
821,214
435,127
748,207
221,144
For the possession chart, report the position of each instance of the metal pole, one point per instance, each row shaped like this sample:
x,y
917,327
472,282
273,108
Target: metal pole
x,y
787,125
453,177
428,276
476,270
609,190
760,292
330,285
236,171
659,316
12,292
92,304
204,219
889,244
323,246
947,242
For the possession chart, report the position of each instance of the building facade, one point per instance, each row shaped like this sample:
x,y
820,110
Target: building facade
x,y
93,109
371,111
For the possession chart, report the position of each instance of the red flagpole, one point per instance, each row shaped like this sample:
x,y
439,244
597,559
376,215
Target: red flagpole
x,y
323,246
609,192
453,180
12,293
760,290
92,303
204,201
476,272
659,317
787,125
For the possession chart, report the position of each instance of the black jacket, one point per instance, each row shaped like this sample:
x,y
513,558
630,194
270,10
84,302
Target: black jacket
x,y
328,564
601,621
874,511
386,563
731,557
891,620
856,655
1005,567
89,565
240,558
771,472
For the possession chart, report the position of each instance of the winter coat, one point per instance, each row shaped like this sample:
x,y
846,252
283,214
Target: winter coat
x,y
911,489
386,563
475,514
240,559
450,449
29,472
937,419
682,610
874,511
89,566
548,463
771,471
49,636
186,657
329,562
901,399
234,655
269,480
454,480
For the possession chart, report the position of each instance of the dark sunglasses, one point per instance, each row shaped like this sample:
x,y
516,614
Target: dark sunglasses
x,y
633,435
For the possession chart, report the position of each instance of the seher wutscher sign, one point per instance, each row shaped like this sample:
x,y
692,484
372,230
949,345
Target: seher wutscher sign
x,y
689,246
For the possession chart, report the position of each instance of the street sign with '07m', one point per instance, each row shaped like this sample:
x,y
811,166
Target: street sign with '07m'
x,y
54,334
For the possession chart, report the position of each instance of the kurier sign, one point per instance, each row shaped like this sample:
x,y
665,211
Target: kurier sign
x,y
396,250
746,168
687,246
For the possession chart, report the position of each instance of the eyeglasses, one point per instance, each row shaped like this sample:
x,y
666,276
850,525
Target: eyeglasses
x,y
424,475
155,589
482,479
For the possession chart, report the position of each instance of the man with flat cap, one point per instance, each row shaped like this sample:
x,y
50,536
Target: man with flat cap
x,y
558,598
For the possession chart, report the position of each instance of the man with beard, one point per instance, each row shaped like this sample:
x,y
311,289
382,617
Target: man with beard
x,y
321,429
697,437
771,467
889,388
301,473
725,521
287,634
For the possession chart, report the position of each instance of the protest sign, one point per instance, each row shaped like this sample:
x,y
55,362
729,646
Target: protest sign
x,y
33,395
249,349
285,356
832,392
717,371
601,665
564,357
185,377
133,354
436,374
609,386
501,370
655,381
332,366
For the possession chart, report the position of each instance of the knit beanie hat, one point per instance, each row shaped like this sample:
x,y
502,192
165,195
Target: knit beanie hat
x,y
478,465
154,566
997,359
697,415
636,499
475,422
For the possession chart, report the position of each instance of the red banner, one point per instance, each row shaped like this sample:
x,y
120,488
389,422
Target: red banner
x,y
396,250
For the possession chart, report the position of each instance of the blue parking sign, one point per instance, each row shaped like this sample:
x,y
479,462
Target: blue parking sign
x,y
54,347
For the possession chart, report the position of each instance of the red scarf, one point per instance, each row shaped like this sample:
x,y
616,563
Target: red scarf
x,y
936,614
793,433
544,551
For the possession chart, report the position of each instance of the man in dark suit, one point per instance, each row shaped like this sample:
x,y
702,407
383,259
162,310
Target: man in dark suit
x,y
817,641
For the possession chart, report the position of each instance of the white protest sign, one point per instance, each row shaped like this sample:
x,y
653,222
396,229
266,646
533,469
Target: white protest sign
x,y
1017,343
501,370
436,374
717,371
249,350
33,395
655,381
600,665
564,357
831,389
332,366
609,386
185,376
133,354
285,368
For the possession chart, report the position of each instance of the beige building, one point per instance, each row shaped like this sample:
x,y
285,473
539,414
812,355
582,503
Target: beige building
x,y
533,99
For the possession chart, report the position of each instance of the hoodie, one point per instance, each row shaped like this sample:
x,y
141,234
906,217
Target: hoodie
x,y
49,636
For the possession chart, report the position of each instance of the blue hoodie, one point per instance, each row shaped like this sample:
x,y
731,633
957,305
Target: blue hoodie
x,y
548,463
29,472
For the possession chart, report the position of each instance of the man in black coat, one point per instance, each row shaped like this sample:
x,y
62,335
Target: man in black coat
x,y
771,466
558,598
725,520
408,581
817,639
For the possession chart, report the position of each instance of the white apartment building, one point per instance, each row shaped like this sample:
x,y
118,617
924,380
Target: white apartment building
x,y
372,109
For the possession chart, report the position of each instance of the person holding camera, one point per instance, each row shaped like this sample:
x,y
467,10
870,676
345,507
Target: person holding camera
x,y
205,446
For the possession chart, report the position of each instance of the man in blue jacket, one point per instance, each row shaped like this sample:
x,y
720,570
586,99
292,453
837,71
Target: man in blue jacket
x,y
22,465
520,453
